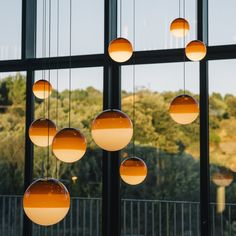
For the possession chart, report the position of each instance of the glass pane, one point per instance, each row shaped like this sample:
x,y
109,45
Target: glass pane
x,y
221,22
152,24
12,150
222,145
82,178
87,27
10,25
167,202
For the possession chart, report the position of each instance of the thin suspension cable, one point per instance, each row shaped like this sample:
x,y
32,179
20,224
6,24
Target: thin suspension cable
x,y
184,83
70,64
120,18
134,25
49,78
57,107
179,8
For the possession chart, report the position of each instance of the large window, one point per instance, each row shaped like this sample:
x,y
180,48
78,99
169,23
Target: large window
x,y
69,36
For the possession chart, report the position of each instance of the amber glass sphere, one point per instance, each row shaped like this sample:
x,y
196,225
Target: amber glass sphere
x,y
42,89
112,130
69,145
184,109
179,27
42,132
46,201
120,50
222,179
133,171
196,50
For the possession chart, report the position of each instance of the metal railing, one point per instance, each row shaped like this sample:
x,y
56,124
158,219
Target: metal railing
x,y
139,218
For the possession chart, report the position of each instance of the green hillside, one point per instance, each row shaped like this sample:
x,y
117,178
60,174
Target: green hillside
x,y
171,151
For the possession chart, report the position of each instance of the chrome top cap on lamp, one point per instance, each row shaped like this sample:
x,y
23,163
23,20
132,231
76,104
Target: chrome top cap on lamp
x,y
42,89
120,50
133,171
112,130
69,145
222,179
46,201
179,27
184,109
195,50
41,132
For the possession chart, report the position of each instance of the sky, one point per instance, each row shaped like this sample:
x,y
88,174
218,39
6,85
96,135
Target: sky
x,y
152,19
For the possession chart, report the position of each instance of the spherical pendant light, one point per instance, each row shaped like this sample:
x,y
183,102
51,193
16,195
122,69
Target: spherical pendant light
x,y
42,89
46,201
120,50
41,132
69,145
222,179
112,130
179,27
195,50
133,171
184,109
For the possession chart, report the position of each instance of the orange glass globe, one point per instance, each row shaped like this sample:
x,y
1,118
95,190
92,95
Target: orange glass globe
x,y
42,132
46,201
69,145
42,89
120,50
184,109
179,27
112,130
133,171
196,50
222,179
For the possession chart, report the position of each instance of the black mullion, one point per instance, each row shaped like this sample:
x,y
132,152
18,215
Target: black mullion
x,y
204,124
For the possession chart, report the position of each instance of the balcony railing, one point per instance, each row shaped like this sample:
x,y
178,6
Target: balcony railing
x,y
139,218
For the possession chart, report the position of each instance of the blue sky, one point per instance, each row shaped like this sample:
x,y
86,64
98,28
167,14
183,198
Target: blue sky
x,y
151,32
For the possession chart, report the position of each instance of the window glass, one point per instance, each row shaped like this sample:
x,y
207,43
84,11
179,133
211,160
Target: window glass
x,y
87,27
167,202
222,114
221,22
82,178
152,24
10,40
12,150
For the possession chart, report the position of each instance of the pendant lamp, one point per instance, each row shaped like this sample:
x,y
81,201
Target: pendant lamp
x,y
179,27
41,132
184,109
120,50
112,130
42,89
196,50
133,171
46,201
221,180
69,145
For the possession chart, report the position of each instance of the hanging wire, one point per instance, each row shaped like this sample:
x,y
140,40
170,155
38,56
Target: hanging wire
x,y
57,105
120,18
179,8
70,64
134,80
49,78
184,48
